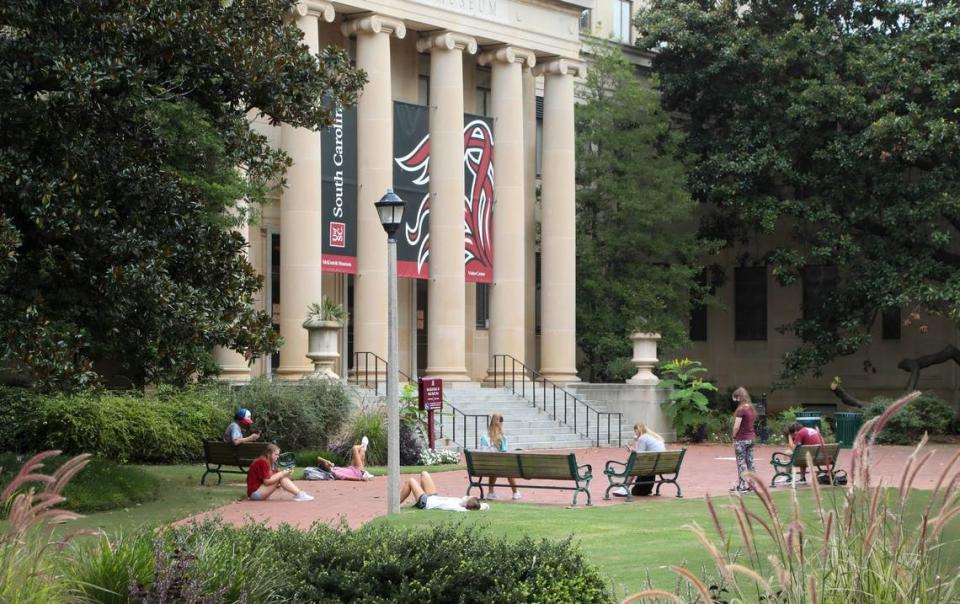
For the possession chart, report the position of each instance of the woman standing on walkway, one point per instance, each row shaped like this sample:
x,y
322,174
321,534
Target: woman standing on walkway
x,y
496,440
744,419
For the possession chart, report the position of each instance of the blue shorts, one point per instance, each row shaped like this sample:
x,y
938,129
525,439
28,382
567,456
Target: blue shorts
x,y
422,502
257,495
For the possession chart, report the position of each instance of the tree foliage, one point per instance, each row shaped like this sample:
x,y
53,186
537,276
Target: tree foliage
x,y
636,254
837,122
124,150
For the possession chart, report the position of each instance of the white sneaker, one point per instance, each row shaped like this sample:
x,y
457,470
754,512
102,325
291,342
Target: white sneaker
x,y
491,495
367,475
364,442
517,496
303,496
619,492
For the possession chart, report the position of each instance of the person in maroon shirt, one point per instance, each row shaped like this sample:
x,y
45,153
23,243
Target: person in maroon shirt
x,y
262,481
744,419
800,435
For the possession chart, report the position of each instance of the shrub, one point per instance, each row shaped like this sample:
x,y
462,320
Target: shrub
x,y
687,406
371,422
130,427
301,415
447,563
102,571
439,457
867,544
906,427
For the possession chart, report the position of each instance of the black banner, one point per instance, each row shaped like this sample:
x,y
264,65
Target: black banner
x,y
411,150
338,169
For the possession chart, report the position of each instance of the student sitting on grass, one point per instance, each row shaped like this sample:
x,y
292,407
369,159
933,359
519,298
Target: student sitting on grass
x,y
425,497
262,481
356,470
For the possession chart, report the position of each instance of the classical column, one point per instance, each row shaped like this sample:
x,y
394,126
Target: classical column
x,y
374,175
529,214
233,365
446,321
506,315
300,218
558,223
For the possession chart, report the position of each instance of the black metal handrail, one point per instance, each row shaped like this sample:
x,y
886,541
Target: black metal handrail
x,y
450,410
362,376
520,378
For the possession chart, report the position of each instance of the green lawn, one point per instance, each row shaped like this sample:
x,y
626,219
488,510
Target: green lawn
x,y
631,542
181,495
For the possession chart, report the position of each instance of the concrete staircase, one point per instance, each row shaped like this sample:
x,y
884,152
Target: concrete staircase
x,y
526,427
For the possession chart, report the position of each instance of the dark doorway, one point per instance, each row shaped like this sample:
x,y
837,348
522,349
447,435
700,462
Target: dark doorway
x,y
421,367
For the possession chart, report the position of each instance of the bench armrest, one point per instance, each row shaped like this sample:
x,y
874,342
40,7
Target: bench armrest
x,y
781,459
587,474
611,470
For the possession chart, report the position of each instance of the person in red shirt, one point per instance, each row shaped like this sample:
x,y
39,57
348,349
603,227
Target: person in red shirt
x,y
262,481
800,435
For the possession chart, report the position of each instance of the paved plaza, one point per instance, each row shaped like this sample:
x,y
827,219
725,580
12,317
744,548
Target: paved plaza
x,y
706,469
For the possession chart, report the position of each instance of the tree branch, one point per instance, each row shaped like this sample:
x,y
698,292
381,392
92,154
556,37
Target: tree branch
x,y
915,366
845,397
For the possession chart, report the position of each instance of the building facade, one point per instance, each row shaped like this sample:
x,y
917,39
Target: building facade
x,y
469,105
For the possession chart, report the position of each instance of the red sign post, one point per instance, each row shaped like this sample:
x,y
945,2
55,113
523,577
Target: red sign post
x,y
430,391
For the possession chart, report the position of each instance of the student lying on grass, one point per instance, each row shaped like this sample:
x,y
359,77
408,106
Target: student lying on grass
x,y
425,497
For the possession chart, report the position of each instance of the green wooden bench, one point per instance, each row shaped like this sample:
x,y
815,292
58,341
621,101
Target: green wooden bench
x,y
218,454
663,467
529,466
822,457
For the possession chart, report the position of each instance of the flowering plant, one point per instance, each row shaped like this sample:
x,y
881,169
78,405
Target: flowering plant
x,y
436,457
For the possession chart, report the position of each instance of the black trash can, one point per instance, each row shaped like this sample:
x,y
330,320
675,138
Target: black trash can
x,y
848,424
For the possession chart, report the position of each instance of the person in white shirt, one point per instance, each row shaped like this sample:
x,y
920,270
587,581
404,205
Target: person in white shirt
x,y
425,497
647,441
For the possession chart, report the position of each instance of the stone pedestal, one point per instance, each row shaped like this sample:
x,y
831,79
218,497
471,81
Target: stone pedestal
x,y
644,358
636,403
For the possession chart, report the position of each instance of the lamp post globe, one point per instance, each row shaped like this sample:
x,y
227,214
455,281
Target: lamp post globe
x,y
390,209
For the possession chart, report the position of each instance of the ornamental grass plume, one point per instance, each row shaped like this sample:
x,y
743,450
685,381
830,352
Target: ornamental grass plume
x,y
28,571
868,543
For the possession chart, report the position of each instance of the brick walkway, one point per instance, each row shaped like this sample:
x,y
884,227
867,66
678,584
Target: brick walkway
x,y
706,469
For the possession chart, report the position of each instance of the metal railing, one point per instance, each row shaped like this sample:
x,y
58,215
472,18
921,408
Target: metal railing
x,y
364,377
361,375
465,419
554,400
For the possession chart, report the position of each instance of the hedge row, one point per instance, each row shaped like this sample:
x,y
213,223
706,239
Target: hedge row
x,y
445,563
168,426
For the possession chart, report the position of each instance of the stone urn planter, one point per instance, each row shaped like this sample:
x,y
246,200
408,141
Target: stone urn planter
x,y
644,358
323,331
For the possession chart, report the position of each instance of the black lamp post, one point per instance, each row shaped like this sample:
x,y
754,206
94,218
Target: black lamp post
x,y
390,209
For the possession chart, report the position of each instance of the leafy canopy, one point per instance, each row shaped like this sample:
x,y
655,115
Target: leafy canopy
x,y
126,145
833,128
636,251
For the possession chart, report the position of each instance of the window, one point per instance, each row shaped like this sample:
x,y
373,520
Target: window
x,y
586,20
622,27
275,293
890,321
537,276
539,135
819,282
423,90
750,303
483,306
484,100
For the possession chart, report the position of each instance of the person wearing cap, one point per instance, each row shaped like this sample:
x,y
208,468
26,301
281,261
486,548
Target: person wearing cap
x,y
233,434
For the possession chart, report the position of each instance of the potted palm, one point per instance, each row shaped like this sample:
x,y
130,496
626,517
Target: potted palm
x,y
323,325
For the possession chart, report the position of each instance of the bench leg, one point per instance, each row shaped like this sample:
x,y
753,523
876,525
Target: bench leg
x,y
203,479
